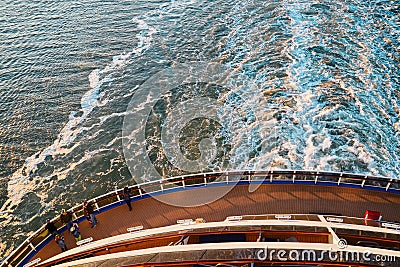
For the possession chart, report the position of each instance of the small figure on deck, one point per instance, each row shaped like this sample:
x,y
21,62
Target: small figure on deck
x,y
51,228
127,197
86,214
60,242
74,230
66,218
88,210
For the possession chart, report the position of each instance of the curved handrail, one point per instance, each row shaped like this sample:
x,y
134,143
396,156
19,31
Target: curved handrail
x,y
20,254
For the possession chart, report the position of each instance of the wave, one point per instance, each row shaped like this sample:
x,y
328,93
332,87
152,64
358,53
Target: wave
x,y
21,182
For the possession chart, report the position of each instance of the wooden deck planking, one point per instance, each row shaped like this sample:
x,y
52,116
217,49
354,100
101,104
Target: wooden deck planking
x,y
268,199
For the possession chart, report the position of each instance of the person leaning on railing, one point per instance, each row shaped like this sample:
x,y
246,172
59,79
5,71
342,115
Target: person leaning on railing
x,y
127,197
51,228
66,218
88,210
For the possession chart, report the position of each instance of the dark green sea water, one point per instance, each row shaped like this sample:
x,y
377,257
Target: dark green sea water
x,y
325,92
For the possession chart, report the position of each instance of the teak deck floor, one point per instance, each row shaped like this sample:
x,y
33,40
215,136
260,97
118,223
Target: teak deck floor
x,y
267,199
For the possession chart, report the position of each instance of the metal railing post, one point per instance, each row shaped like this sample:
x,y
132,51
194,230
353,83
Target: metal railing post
x,y
96,204
31,245
363,182
340,178
116,192
388,185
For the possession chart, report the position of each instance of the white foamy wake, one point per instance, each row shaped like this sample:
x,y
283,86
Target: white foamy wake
x,y
20,183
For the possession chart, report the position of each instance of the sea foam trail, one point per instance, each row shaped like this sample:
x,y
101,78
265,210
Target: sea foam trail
x,y
20,182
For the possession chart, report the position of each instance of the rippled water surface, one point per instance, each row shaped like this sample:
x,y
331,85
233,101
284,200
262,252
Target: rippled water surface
x,y
315,86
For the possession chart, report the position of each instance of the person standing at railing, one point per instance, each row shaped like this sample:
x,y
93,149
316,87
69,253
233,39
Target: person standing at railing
x,y
89,210
66,218
51,228
75,232
61,243
127,197
86,214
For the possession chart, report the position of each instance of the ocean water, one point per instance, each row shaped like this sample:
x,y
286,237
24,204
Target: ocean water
x,y
312,85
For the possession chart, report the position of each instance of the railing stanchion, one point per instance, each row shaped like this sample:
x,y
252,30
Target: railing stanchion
x,y
31,245
363,182
96,204
340,178
116,192
183,182
388,185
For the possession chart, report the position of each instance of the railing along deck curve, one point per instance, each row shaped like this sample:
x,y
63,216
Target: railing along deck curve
x,y
39,239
